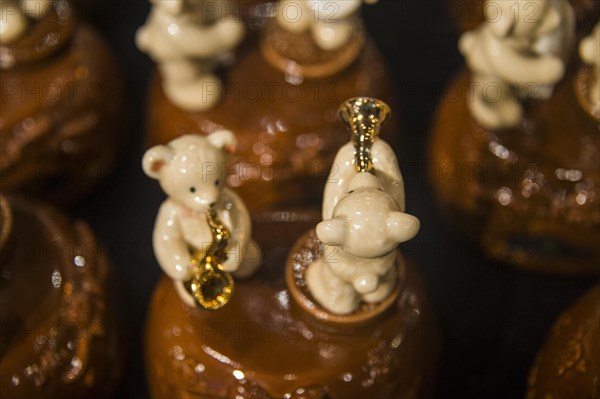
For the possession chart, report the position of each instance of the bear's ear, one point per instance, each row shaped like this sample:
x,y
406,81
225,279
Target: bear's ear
x,y
331,231
155,159
223,139
402,226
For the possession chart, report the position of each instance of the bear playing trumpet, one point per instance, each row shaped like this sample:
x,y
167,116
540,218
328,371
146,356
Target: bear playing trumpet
x,y
364,217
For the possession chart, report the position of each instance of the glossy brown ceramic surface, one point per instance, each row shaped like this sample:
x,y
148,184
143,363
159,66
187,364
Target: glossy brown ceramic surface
x,y
288,134
58,335
528,195
60,120
568,366
263,345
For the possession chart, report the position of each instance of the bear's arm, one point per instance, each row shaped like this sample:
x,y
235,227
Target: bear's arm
x,y
169,246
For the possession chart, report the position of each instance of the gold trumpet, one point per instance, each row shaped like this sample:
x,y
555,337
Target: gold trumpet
x,y
211,286
364,117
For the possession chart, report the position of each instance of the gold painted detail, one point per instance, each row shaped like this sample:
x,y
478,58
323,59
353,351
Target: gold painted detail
x,y
211,286
364,118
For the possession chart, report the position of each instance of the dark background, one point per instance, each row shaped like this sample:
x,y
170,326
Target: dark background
x,y
493,318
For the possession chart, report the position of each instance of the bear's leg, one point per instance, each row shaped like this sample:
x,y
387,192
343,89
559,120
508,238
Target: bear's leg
x,y
494,104
386,285
333,293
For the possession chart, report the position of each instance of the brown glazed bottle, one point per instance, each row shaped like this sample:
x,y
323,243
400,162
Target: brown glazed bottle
x,y
527,190
60,120
270,342
58,338
339,316
280,98
568,365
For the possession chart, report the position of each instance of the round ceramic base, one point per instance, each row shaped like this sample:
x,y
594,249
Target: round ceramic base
x,y
263,345
529,196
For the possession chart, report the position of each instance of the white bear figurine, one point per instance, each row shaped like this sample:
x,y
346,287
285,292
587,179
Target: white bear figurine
x,y
191,171
329,22
359,261
188,39
589,50
13,17
518,53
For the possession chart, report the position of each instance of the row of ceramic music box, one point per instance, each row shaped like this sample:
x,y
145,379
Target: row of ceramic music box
x,y
341,316
284,302
503,165
61,129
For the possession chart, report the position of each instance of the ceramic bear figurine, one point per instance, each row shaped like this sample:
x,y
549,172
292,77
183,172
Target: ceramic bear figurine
x,y
330,23
366,223
360,247
516,58
189,40
191,171
589,50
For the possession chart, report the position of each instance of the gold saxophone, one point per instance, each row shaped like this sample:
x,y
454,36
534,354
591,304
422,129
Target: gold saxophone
x,y
364,118
211,286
